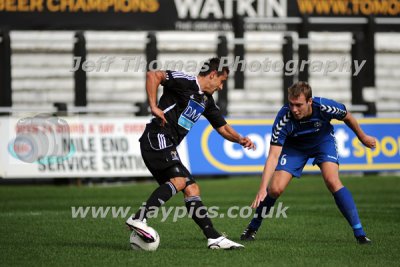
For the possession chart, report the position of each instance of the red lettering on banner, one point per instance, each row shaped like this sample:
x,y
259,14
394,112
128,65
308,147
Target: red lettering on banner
x,y
77,128
134,128
106,128
91,129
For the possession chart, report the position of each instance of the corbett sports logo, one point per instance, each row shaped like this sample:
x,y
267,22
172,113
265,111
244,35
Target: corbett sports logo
x,y
41,139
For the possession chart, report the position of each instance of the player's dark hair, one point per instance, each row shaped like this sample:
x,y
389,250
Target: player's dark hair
x,y
299,88
213,64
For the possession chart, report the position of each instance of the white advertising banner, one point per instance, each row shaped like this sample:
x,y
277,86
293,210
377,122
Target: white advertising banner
x,y
40,147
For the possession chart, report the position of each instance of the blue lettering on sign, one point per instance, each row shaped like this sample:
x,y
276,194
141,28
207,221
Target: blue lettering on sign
x,y
190,115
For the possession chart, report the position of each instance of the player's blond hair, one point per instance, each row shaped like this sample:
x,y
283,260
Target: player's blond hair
x,y
299,88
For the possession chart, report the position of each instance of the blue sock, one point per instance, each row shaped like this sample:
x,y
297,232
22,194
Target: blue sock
x,y
346,205
266,204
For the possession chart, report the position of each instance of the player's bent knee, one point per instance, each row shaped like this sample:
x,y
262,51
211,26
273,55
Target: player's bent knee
x,y
333,184
275,192
179,183
192,190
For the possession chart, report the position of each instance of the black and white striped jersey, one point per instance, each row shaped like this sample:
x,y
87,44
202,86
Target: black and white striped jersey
x,y
307,132
183,104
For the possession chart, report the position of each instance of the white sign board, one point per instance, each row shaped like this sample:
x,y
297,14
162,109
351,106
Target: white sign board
x,y
97,147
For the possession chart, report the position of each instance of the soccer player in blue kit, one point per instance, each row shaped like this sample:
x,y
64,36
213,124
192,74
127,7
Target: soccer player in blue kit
x,y
302,130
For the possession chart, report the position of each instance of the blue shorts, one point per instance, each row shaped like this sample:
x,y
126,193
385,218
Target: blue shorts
x,y
293,160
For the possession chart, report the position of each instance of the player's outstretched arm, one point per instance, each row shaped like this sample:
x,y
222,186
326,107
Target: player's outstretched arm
x,y
230,134
153,80
351,122
269,169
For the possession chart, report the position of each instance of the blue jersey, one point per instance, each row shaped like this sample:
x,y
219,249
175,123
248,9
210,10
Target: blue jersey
x,y
309,132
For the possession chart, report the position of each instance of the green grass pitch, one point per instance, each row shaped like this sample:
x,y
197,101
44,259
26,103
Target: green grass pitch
x,y
37,227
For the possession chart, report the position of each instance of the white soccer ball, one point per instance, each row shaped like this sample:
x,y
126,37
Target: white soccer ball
x,y
138,243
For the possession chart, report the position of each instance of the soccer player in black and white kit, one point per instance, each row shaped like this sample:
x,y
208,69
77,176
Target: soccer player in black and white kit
x,y
185,98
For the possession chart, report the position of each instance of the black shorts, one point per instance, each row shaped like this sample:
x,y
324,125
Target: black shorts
x,y
161,156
